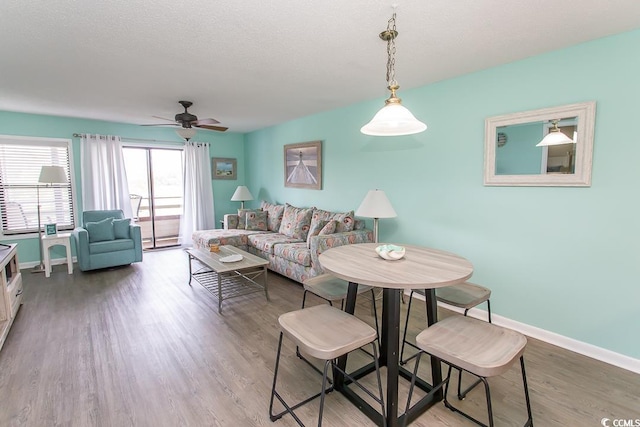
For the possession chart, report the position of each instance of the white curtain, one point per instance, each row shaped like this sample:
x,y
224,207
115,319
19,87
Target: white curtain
x,y
104,179
198,212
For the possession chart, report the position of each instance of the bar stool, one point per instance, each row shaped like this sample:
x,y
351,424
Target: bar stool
x,y
478,347
326,333
462,295
330,288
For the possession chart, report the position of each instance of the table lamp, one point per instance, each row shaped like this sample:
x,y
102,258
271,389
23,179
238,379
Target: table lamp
x,y
376,205
241,195
48,175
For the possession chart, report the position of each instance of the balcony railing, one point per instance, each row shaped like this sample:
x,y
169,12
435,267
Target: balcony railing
x,y
167,212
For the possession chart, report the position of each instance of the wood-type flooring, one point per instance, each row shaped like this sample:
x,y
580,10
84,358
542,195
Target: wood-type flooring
x,y
137,346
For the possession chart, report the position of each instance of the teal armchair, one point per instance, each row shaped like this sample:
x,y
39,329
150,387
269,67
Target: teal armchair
x,y
107,239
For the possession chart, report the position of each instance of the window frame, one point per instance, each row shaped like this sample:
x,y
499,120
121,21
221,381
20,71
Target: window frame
x,y
45,141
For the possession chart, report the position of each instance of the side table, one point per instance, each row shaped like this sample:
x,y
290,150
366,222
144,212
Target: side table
x,y
63,239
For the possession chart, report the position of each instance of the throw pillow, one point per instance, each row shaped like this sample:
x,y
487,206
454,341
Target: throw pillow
x,y
345,220
100,231
329,228
274,215
295,222
256,221
121,228
242,217
314,229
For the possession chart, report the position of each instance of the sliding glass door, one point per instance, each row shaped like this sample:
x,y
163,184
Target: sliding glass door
x,y
155,185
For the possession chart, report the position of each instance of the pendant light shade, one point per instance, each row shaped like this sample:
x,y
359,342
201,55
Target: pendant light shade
x,y
555,137
393,119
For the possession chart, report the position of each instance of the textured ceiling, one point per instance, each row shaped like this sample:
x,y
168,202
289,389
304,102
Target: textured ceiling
x,y
252,64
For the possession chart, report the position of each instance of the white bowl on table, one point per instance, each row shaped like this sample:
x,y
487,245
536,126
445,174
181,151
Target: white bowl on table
x,y
390,252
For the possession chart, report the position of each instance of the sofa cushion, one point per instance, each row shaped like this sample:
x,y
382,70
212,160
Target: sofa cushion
x,y
294,252
295,222
110,246
100,231
265,242
121,228
204,238
274,215
242,217
314,229
345,220
256,221
230,221
328,227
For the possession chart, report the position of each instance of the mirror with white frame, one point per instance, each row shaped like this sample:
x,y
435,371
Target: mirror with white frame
x,y
512,156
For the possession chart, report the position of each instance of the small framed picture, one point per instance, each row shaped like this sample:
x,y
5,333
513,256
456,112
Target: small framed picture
x,y
223,168
50,229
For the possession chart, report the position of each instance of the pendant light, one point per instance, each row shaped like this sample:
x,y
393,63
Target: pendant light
x,y
555,137
393,119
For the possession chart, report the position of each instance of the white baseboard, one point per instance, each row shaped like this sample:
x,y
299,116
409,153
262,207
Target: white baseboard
x,y
54,261
589,350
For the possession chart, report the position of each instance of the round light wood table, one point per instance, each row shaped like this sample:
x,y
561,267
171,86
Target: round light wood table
x,y
421,268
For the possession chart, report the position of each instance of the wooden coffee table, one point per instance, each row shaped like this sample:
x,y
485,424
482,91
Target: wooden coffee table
x,y
225,280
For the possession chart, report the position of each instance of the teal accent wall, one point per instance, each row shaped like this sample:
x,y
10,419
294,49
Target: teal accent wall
x,y
226,144
566,260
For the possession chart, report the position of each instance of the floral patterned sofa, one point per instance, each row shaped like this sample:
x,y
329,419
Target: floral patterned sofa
x,y
290,238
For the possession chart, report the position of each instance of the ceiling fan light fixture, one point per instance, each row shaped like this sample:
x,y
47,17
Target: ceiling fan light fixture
x,y
186,133
393,119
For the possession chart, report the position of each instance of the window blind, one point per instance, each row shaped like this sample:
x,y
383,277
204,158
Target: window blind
x,y
21,160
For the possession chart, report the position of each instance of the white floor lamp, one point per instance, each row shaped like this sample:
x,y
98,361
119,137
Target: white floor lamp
x,y
48,175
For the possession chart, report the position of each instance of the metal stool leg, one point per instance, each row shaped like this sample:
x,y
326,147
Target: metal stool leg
x,y
529,422
324,384
404,334
375,315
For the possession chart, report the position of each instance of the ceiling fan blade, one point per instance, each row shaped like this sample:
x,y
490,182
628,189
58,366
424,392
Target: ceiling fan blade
x,y
205,122
218,128
162,118
162,124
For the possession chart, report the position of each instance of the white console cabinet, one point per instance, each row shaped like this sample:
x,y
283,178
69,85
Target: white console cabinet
x,y
11,292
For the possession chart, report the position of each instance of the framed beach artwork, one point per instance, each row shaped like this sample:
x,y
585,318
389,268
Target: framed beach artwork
x,y
303,165
223,168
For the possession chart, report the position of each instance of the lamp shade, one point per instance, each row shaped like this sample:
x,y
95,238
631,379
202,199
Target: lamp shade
x,y
241,194
555,137
376,205
393,120
52,175
186,133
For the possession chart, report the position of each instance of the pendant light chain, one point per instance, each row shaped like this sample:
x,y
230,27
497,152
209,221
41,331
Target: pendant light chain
x,y
391,51
393,119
